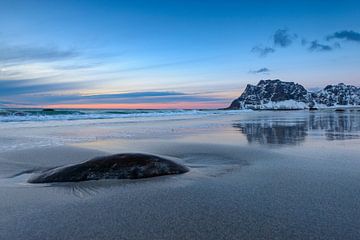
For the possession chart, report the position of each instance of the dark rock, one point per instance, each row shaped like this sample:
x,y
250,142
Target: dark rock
x,y
340,94
266,91
119,166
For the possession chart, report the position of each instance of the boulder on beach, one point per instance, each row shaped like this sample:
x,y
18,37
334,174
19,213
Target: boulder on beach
x,y
118,166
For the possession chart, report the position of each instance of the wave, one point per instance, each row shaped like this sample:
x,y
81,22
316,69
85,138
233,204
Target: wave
x,y
22,115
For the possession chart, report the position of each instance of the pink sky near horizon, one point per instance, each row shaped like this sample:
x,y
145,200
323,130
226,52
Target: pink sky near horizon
x,y
178,105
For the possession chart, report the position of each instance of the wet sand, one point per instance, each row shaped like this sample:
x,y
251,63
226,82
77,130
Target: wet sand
x,y
246,182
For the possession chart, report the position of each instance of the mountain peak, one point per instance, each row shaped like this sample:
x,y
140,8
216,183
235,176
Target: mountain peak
x,y
277,94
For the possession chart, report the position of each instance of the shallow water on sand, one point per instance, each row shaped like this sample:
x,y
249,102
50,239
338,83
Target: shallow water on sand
x,y
255,175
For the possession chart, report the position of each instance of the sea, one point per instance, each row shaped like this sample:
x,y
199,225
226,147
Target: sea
x,y
28,114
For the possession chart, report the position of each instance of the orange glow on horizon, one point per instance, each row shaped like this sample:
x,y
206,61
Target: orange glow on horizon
x,y
178,105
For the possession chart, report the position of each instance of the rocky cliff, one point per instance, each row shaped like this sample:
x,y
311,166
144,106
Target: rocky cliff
x,y
280,95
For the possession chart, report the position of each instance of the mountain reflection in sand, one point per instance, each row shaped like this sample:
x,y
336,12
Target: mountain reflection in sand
x,y
283,131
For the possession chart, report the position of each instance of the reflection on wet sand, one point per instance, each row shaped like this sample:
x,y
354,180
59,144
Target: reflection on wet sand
x,y
270,130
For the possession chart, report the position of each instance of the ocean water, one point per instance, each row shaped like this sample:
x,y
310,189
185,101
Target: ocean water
x,y
22,129
24,115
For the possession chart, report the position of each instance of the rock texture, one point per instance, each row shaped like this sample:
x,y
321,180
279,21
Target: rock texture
x,y
277,94
341,94
119,166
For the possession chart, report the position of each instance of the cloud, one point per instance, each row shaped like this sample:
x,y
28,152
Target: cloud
x,y
345,35
128,98
14,88
34,92
261,70
135,95
262,51
282,38
5,103
145,97
76,66
130,69
20,54
318,47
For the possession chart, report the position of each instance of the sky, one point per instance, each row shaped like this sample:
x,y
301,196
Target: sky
x,y
170,54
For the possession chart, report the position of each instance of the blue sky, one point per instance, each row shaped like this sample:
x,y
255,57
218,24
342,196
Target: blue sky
x,y
170,53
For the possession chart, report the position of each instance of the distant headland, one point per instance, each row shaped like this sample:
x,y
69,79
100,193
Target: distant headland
x,y
280,95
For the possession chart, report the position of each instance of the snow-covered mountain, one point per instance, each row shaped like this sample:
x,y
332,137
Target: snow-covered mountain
x,y
277,94
337,95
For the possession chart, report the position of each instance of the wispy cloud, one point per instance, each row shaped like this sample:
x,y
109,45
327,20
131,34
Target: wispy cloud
x,y
35,86
144,97
20,54
282,38
51,75
260,71
38,92
345,35
76,66
319,47
120,98
262,51
135,95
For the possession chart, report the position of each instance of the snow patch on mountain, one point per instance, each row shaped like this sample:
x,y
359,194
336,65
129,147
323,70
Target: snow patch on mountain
x,y
280,95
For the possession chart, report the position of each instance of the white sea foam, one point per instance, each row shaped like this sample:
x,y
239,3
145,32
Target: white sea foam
x,y
24,115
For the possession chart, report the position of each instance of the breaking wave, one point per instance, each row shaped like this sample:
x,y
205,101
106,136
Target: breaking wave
x,y
22,115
